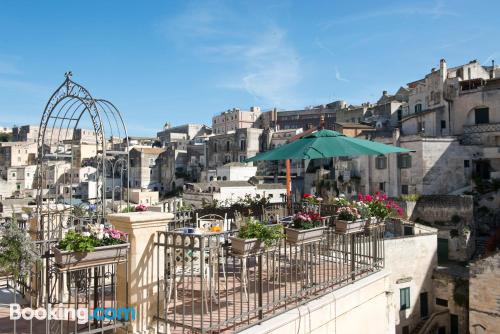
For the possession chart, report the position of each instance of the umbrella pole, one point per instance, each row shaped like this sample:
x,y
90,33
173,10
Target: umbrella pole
x,y
288,182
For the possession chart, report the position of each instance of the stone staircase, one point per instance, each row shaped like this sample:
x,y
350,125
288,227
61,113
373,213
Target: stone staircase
x,y
425,326
419,326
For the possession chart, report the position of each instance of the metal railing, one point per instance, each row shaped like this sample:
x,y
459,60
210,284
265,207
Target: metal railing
x,y
204,287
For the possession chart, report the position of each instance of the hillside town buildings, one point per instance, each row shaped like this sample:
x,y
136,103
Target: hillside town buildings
x,y
450,119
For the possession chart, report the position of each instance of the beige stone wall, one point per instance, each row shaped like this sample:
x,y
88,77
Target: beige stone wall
x,y
141,271
411,261
361,307
484,295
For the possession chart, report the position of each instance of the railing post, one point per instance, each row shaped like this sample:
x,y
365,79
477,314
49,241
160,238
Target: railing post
x,y
137,280
259,287
353,256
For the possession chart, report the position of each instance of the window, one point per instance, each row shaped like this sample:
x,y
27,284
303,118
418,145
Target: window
x,y
228,146
381,162
404,161
404,189
242,158
443,124
441,302
418,107
404,297
466,163
215,147
243,144
482,115
381,186
405,330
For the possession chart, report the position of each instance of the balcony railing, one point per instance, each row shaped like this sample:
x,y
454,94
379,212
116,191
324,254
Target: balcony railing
x,y
480,128
206,288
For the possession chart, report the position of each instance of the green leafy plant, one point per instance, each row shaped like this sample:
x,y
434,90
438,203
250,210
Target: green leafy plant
x,y
128,209
268,234
97,236
17,251
77,242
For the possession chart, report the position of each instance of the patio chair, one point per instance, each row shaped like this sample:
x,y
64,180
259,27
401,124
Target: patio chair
x,y
206,222
184,260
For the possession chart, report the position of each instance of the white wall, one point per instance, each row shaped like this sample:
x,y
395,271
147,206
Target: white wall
x,y
360,307
411,261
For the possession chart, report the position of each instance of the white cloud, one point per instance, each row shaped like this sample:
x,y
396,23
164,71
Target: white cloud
x,y
338,76
437,11
261,60
270,68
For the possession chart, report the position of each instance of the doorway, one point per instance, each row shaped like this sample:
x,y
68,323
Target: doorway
x,y
424,305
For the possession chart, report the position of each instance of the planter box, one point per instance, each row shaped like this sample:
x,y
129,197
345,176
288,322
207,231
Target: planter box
x,y
246,246
345,226
296,236
100,256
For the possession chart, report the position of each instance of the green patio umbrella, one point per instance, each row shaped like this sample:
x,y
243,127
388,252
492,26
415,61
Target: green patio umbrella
x,y
324,144
327,144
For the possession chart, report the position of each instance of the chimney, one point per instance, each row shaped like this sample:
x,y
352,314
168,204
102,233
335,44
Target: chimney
x,y
443,68
384,93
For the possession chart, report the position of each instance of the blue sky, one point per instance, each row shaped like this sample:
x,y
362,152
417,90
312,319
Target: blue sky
x,y
185,61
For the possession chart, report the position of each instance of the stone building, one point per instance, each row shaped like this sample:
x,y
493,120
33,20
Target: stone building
x,y
484,292
452,123
183,132
352,113
234,119
172,164
144,168
438,166
410,257
352,129
21,177
309,118
15,154
235,146
229,192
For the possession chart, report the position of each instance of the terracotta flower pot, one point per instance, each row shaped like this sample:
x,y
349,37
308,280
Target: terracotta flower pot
x,y
346,226
296,236
246,246
100,256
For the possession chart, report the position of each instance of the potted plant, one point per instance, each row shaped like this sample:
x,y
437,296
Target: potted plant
x,y
306,227
348,219
311,203
96,246
255,236
381,207
18,252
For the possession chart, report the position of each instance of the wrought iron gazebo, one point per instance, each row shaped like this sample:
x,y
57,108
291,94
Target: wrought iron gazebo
x,y
74,166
